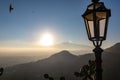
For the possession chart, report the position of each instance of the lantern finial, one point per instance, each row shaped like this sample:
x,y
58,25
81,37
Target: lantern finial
x,y
95,1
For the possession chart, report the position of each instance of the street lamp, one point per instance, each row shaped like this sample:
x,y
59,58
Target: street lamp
x,y
96,21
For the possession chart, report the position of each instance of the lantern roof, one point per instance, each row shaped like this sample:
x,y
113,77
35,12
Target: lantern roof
x,y
94,1
96,6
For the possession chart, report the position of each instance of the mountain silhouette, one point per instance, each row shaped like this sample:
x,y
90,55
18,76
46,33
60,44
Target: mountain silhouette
x,y
57,65
111,62
114,49
63,55
64,64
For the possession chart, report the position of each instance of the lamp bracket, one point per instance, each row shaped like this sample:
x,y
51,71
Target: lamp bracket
x,y
97,43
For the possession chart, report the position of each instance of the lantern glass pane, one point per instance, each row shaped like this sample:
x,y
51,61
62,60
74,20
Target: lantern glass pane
x,y
91,27
87,28
90,7
89,17
101,15
102,27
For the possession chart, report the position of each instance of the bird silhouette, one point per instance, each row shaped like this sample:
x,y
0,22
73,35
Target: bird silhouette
x,y
10,8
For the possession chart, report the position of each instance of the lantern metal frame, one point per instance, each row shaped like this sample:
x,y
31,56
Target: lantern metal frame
x,y
94,14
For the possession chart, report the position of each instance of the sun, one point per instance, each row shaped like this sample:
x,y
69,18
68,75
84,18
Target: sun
x,y
46,39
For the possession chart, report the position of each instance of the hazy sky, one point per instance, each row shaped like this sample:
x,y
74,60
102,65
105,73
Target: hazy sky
x,y
62,18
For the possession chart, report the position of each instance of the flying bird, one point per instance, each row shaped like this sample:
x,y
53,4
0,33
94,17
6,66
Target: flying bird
x,y
10,8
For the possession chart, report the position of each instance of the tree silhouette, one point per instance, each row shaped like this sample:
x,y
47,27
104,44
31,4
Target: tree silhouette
x,y
46,76
1,71
87,71
62,78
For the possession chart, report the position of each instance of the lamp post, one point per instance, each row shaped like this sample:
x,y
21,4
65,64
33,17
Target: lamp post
x,y
96,19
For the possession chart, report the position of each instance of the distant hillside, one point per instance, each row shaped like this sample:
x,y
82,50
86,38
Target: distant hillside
x,y
73,47
60,64
111,63
114,49
65,64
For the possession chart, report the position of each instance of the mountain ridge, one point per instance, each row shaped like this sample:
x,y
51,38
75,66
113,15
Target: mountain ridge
x,y
63,66
114,49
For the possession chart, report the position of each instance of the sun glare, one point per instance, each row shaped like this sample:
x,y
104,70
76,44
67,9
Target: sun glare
x,y
47,39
